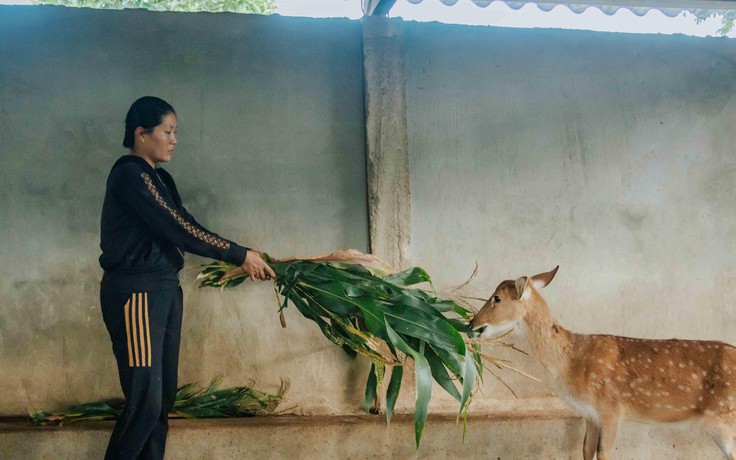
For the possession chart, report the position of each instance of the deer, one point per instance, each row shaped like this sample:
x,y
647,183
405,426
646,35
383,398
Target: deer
x,y
608,379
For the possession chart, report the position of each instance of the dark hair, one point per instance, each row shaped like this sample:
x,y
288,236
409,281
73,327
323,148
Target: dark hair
x,y
147,112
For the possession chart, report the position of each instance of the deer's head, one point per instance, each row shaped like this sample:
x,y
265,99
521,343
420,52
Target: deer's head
x,y
509,303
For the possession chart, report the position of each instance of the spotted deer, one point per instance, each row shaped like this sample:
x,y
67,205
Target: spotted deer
x,y
608,379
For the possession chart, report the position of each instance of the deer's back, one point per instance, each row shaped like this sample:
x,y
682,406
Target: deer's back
x,y
654,380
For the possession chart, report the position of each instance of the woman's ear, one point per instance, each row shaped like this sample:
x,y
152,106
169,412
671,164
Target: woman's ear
x,y
139,131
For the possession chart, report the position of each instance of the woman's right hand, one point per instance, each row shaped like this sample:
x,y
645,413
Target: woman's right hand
x,y
256,267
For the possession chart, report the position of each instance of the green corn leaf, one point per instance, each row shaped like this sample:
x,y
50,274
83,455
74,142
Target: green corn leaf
x,y
392,392
469,374
186,391
333,300
371,393
452,361
424,382
200,412
421,325
439,372
409,277
435,303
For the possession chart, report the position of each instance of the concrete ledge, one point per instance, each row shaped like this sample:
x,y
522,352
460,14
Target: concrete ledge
x,y
510,435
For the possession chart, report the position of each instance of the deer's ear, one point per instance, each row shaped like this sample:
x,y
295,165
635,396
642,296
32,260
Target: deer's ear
x,y
543,279
522,288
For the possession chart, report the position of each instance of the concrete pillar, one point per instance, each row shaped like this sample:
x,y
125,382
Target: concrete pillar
x,y
389,200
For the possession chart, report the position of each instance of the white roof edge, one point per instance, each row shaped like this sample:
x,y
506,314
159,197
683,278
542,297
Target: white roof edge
x,y
699,8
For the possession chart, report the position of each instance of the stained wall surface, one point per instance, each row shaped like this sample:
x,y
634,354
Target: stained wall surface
x,y
611,155
270,154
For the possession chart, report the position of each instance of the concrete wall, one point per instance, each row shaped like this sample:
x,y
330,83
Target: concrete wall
x,y
611,155
607,154
270,154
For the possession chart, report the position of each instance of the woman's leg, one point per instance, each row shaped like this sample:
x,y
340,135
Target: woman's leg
x,y
156,445
137,323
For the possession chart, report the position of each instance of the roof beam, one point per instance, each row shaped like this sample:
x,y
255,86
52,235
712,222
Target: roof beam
x,y
377,7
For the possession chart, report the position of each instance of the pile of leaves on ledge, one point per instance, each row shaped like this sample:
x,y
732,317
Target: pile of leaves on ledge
x,y
361,308
191,402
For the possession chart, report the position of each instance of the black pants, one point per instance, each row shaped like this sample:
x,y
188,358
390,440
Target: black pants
x,y
145,328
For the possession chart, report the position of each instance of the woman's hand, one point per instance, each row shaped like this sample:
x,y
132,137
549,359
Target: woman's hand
x,y
256,267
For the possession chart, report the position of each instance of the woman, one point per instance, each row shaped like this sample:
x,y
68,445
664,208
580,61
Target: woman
x,y
144,230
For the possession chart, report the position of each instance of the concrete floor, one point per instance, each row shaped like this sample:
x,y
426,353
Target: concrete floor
x,y
504,436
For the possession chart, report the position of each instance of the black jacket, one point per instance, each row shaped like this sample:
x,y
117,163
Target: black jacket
x,y
144,228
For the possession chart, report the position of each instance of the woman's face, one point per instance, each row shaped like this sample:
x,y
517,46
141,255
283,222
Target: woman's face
x,y
157,145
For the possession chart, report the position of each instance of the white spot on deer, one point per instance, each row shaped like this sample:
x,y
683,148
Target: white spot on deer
x,y
626,395
700,398
682,365
694,376
668,406
600,360
607,379
661,369
593,375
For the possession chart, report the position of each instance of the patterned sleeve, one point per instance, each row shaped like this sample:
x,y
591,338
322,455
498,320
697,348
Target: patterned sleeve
x,y
136,187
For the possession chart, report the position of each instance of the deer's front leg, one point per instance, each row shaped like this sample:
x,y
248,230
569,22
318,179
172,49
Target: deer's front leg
x,y
608,430
590,445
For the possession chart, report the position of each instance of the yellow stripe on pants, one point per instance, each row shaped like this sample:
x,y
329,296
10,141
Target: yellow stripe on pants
x,y
127,332
148,332
133,319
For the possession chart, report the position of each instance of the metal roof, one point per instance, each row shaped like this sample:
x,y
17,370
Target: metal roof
x,y
699,8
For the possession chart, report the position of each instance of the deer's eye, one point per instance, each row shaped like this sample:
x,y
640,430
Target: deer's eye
x,y
496,299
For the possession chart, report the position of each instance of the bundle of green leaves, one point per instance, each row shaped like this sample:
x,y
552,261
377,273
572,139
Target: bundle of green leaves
x,y
192,401
382,316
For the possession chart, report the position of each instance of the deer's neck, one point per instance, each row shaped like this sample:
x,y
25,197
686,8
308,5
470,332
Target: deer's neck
x,y
550,342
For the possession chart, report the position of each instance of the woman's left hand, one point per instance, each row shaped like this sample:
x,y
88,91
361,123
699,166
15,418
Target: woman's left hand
x,y
256,267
